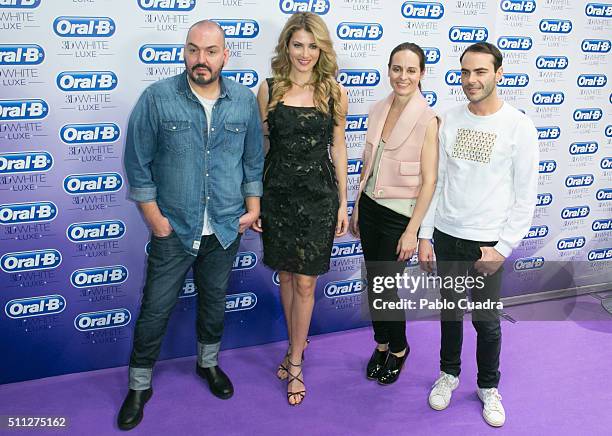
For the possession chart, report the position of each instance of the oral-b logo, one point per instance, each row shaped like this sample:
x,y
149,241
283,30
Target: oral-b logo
x,y
600,254
248,78
423,10
359,31
19,4
575,212
595,45
162,54
453,77
89,133
528,263
189,289
413,261
555,26
244,260
544,199
35,306
467,34
30,260
537,232
105,319
602,225
432,55
357,123
86,81
346,249
579,180
242,301
592,80
239,28
606,163
430,97
167,5
600,10
23,54
519,6
549,132
578,148
604,194
359,77
21,213
29,109
319,7
99,276
514,80
587,114
547,166
26,162
571,243
96,231
350,207
83,27
551,62
354,167
548,98
344,288
522,43
78,184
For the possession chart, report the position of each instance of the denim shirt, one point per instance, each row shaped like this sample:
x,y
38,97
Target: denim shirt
x,y
170,158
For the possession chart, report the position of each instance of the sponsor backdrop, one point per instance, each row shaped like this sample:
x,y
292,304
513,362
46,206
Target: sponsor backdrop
x,y
73,248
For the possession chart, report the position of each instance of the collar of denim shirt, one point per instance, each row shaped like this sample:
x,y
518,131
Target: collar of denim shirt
x,y
185,89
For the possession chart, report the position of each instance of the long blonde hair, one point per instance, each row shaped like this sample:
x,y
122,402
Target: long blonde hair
x,y
324,72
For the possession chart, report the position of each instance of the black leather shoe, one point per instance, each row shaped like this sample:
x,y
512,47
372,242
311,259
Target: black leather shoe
x,y
392,369
219,383
131,411
376,363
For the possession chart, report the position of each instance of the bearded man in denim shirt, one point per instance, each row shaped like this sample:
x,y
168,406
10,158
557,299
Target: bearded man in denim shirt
x,y
194,161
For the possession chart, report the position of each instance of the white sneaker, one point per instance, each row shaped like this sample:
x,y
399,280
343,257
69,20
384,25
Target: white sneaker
x,y
493,411
442,390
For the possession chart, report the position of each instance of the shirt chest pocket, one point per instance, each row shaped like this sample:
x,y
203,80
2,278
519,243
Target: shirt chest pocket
x,y
234,134
176,136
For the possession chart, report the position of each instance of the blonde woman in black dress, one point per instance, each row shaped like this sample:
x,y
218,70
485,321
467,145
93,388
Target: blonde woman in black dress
x,y
304,202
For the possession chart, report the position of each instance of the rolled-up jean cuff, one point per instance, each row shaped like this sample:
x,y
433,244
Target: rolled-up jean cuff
x,y
207,354
140,378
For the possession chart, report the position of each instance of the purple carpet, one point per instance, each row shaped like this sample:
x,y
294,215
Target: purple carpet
x,y
555,379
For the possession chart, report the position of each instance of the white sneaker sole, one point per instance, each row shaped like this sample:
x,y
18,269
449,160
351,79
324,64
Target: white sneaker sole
x,y
434,407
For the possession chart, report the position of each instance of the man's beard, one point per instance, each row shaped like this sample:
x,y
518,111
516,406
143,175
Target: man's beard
x,y
199,79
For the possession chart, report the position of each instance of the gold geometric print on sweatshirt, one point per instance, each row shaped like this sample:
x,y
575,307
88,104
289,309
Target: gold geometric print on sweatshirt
x,y
474,145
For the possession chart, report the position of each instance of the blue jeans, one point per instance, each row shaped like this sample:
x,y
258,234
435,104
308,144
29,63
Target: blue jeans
x,y
167,266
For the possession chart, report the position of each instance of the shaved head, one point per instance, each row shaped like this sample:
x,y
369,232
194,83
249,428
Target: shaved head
x,y
207,26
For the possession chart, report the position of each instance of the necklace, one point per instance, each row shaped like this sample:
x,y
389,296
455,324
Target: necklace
x,y
301,85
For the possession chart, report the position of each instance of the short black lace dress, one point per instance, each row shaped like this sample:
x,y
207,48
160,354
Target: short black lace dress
x,y
300,199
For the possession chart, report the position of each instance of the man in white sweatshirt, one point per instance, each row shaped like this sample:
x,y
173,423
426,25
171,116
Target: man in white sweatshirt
x,y
483,205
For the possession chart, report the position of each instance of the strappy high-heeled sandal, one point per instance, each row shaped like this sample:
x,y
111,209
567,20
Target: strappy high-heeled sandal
x,y
300,394
282,371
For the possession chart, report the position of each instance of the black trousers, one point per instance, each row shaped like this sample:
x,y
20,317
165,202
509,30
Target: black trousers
x,y
381,229
455,257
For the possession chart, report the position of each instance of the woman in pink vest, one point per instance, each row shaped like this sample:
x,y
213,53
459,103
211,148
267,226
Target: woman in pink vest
x,y
397,184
